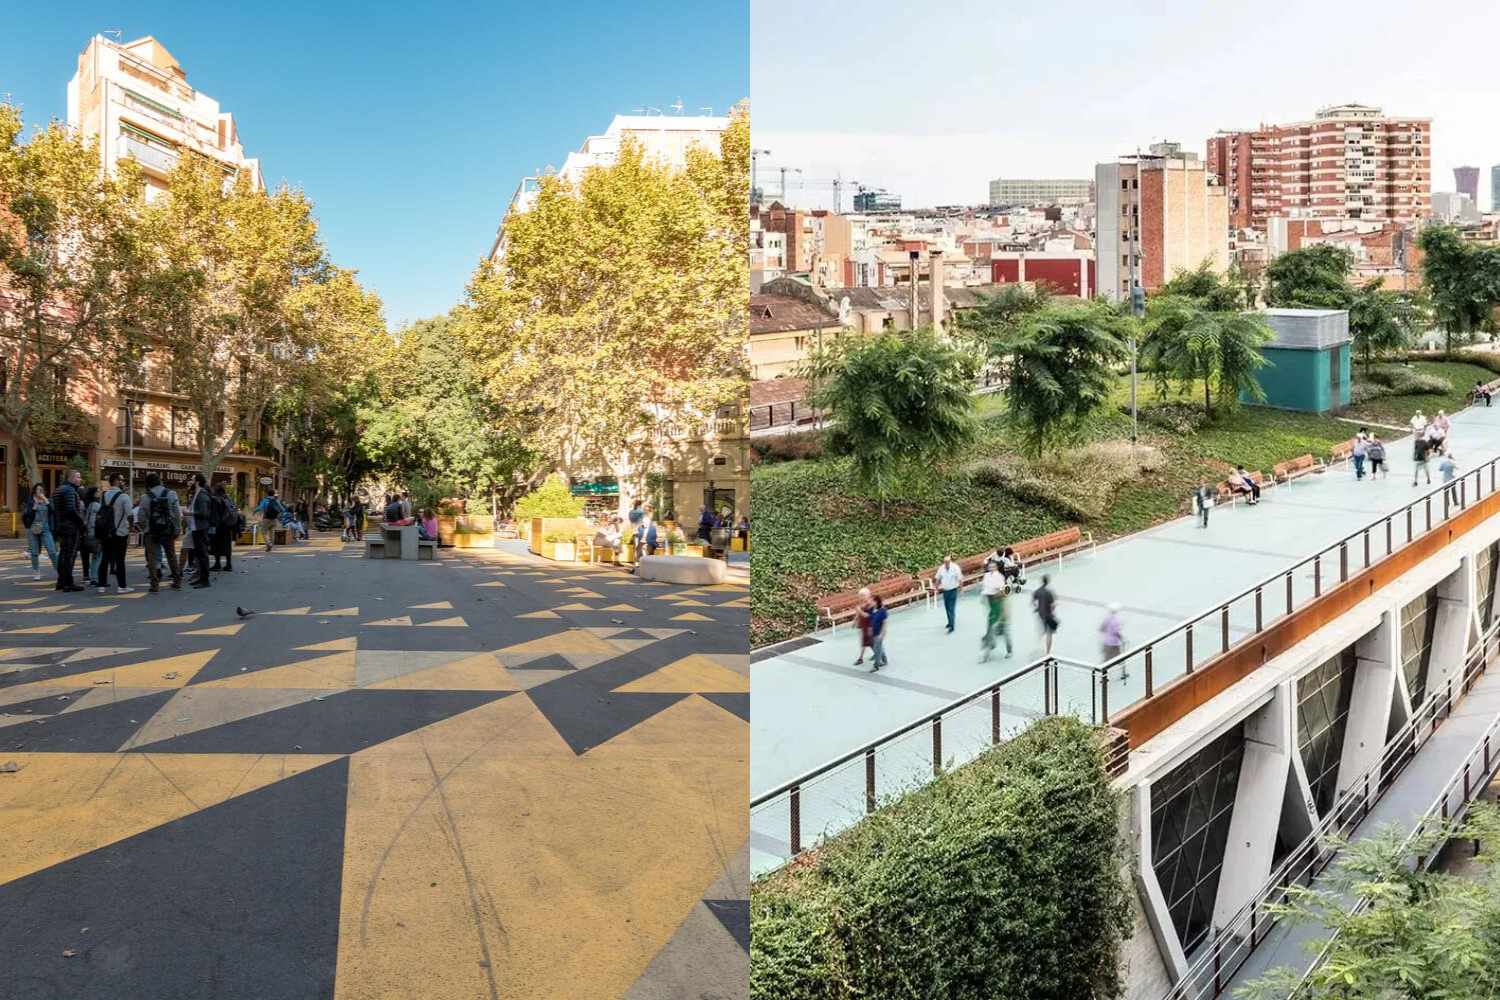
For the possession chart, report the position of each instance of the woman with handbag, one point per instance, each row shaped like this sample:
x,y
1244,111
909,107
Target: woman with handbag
x,y
36,516
90,545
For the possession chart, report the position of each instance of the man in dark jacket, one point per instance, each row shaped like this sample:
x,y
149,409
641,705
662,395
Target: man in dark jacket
x,y
202,522
67,506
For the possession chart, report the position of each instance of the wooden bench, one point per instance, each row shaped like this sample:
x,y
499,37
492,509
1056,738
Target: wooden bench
x,y
895,590
1226,492
1296,468
1341,452
1490,389
1058,543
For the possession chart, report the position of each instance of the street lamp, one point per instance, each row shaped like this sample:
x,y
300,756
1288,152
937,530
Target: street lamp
x,y
130,428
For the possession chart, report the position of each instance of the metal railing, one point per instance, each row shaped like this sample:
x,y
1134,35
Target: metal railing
x,y
787,414
1174,653
1230,945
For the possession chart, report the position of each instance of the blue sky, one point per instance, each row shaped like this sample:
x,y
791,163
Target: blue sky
x,y
955,94
408,124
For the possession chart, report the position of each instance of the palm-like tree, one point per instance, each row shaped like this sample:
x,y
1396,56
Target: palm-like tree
x,y
1191,343
1059,363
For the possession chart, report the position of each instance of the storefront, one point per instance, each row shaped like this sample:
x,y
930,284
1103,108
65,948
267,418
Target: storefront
x,y
175,475
53,466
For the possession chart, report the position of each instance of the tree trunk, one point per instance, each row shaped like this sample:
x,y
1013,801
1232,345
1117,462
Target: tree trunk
x,y
1208,404
26,445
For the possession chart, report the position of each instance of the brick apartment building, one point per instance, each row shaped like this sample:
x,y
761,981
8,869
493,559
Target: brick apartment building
x,y
1173,209
1350,161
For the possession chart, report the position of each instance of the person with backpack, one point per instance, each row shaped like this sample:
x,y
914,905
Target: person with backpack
x,y
357,520
91,549
36,517
270,511
226,519
161,522
202,520
67,525
112,528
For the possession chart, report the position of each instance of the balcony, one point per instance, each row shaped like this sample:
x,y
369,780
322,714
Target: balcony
x,y
150,156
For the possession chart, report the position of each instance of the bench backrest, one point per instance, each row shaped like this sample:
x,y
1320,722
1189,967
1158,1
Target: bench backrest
x,y
1342,448
1295,465
890,587
1046,543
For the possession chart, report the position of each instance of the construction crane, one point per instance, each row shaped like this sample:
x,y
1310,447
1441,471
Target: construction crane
x,y
835,184
755,155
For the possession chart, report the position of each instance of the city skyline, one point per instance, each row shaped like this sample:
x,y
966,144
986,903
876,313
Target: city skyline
x,y
410,156
1026,99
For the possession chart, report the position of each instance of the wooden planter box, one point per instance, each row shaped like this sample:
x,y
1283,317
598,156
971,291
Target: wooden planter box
x,y
561,551
473,539
11,526
447,526
541,527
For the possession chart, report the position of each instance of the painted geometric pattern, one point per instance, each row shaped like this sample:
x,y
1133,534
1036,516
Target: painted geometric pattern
x,y
485,776
1190,812
1322,715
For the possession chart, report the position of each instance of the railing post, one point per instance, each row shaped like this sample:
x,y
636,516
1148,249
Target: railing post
x,y
1447,495
1189,668
1224,629
1390,544
1318,576
1343,562
1046,692
1057,686
1150,686
870,780
795,798
1409,535
1104,697
995,717
1427,506
1289,593
937,746
1367,548
1258,625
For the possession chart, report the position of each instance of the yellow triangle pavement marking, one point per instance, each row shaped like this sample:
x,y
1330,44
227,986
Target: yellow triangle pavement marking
x,y
455,622
398,620
334,644
45,609
38,629
150,674
574,607
482,672
620,607
25,600
492,583
179,620
540,614
289,611
97,609
437,605
341,613
690,616
323,672
691,674
218,630
691,604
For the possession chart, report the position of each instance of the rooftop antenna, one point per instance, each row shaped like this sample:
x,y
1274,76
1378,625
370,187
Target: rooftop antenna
x,y
709,110
647,110
116,32
677,107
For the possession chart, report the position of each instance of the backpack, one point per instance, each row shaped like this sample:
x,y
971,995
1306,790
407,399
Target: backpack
x,y
105,521
272,509
231,517
216,508
159,515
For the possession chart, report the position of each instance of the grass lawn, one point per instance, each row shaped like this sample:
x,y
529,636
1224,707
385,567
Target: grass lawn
x,y
816,537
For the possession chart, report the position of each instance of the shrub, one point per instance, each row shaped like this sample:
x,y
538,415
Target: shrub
x,y
551,499
788,447
1408,382
556,536
1178,418
1078,484
1003,878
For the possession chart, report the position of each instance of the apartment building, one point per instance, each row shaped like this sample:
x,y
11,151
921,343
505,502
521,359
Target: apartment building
x,y
1008,192
1169,207
133,98
1350,161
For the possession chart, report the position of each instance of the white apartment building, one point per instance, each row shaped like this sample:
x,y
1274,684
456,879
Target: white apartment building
x,y
666,138
134,99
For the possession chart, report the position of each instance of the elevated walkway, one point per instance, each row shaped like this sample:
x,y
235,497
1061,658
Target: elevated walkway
x,y
838,739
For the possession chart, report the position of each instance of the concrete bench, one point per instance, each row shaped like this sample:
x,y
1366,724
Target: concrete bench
x,y
427,548
399,543
681,569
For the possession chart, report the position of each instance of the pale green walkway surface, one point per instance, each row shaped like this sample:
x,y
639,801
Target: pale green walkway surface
x,y
810,704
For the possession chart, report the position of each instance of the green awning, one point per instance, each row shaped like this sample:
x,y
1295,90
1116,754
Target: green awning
x,y
172,112
141,133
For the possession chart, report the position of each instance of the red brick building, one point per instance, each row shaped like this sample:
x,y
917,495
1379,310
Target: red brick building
x,y
1348,162
1063,273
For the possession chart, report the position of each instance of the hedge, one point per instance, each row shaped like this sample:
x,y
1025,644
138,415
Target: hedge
x,y
1003,878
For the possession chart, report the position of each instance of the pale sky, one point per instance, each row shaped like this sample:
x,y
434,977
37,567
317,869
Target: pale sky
x,y
933,100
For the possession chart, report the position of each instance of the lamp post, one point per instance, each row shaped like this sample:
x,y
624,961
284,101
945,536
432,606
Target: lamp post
x,y
130,428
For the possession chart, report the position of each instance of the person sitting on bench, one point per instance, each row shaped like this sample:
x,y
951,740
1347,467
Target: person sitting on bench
x,y
1480,392
1242,484
1010,566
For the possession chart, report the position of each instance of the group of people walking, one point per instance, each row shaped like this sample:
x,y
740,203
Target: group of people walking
x,y
95,524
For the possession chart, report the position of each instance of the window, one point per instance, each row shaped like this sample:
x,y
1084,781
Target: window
x,y
888,323
1418,621
132,427
182,429
1322,712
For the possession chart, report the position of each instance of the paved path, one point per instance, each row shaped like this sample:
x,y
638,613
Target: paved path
x,y
485,777
811,704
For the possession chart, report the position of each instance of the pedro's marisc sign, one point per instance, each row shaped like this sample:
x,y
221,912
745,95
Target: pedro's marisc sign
x,y
600,487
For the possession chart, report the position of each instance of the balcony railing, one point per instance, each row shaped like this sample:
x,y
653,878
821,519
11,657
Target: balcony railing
x,y
151,156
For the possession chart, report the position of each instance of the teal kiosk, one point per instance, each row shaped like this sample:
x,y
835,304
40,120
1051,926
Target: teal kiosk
x,y
1309,359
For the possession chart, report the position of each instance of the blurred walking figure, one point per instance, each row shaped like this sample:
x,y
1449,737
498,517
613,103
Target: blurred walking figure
x,y
997,611
1045,604
1111,633
862,621
1203,501
1377,457
878,618
949,580
1421,451
1448,466
1361,450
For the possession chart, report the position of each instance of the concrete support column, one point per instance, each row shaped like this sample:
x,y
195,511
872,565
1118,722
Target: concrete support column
x,y
1257,803
1377,664
1153,900
916,285
1451,635
938,304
